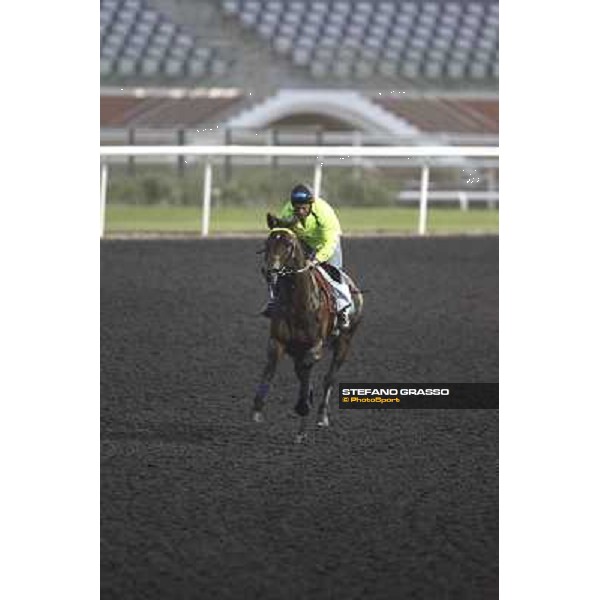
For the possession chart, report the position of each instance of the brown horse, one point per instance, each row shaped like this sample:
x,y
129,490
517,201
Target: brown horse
x,y
304,324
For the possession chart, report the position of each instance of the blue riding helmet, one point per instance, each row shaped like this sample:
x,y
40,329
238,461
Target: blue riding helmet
x,y
302,194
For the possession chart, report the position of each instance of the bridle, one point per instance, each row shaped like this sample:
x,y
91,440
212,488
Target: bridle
x,y
284,270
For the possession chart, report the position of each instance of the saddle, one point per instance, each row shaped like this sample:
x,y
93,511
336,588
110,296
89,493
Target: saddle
x,y
334,273
327,293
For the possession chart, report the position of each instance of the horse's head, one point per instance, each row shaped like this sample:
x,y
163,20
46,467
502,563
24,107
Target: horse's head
x,y
283,254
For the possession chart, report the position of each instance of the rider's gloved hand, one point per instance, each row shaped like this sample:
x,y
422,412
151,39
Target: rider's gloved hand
x,y
313,262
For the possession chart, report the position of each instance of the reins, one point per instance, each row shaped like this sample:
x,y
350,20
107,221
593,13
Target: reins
x,y
285,271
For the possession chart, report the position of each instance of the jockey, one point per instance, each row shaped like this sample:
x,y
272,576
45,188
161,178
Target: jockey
x,y
315,223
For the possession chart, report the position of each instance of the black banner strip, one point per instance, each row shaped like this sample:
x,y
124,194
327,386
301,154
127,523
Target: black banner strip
x,y
418,395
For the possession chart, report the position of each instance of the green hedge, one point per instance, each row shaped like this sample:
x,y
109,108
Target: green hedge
x,y
267,186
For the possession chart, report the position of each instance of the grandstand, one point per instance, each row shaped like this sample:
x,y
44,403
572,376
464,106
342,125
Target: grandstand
x,y
428,67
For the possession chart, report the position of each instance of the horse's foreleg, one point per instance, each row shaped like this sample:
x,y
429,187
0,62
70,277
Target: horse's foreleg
x,y
340,351
274,353
302,408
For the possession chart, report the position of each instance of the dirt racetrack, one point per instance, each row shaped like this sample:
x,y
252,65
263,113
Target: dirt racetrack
x,y
200,502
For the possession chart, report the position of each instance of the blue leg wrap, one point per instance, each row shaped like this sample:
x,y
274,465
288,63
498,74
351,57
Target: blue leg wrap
x,y
262,389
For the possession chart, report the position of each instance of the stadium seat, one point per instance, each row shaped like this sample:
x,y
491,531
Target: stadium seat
x,y
405,19
231,7
149,66
472,20
436,54
423,32
174,67
138,39
148,16
431,8
365,8
410,7
144,28
318,70
449,20
126,66
452,8
364,69
196,68
477,70
274,7
456,70
134,52
319,7
282,45
482,55
445,32
126,17
391,54
475,8
420,43
184,40
266,30
108,51
427,19
388,68
486,43
342,70
249,19
373,41
382,19
316,19
106,66
301,57
410,69
180,52
441,43
388,8
332,31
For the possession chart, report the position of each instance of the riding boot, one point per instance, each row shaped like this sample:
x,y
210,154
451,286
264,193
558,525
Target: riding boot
x,y
344,319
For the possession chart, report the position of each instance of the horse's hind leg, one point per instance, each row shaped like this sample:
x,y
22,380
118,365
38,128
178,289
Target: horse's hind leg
x,y
340,351
305,396
274,353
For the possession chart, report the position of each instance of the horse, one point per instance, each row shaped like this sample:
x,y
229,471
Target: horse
x,y
304,325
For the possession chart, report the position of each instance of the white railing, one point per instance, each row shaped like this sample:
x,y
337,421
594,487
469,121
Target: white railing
x,y
316,152
461,196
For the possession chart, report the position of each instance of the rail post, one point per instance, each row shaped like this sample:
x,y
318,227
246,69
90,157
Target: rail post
x,y
228,135
131,158
491,181
356,160
423,200
317,177
103,185
180,158
206,200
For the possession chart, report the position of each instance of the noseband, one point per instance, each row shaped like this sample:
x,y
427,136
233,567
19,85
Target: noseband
x,y
285,270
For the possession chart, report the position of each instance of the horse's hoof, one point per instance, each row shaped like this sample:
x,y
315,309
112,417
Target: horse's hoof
x,y
323,422
257,417
300,438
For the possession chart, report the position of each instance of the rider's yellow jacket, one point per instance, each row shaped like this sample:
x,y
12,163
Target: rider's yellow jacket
x,y
321,229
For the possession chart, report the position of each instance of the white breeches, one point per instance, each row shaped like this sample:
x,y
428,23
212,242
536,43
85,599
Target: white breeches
x,y
343,297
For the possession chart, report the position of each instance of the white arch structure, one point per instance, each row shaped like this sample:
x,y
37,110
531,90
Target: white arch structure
x,y
317,152
344,105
